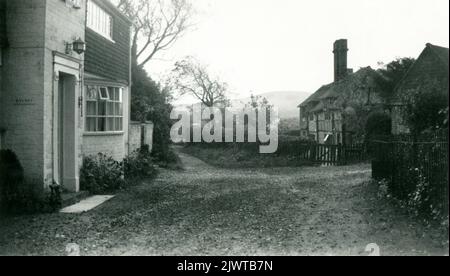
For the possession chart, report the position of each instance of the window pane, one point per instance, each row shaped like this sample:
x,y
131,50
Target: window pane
x,y
110,124
111,93
110,108
118,109
120,94
102,108
104,95
99,20
118,124
101,124
91,124
91,93
110,24
91,108
102,23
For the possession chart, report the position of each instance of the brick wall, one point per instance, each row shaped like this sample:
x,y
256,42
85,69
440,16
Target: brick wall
x,y
135,135
148,135
111,145
23,67
56,37
134,140
34,32
63,24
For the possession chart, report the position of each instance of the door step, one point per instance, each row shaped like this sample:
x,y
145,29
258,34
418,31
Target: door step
x,y
86,204
68,199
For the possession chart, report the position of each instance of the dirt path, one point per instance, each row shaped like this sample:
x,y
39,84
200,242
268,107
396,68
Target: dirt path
x,y
203,210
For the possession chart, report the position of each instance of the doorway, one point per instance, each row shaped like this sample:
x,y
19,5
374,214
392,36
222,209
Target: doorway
x,y
65,132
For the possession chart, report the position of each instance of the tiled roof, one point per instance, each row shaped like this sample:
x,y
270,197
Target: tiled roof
x,y
440,52
431,64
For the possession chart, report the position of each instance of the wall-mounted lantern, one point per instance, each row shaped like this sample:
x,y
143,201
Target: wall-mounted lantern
x,y
78,46
76,4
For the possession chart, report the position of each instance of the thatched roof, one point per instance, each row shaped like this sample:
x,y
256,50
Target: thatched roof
x,y
337,89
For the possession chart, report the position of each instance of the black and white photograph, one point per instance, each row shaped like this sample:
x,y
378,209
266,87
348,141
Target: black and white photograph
x,y
242,129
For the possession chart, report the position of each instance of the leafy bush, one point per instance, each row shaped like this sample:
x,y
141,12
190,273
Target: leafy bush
x,y
378,124
426,108
415,176
19,196
28,197
11,172
139,165
100,174
150,101
11,177
391,74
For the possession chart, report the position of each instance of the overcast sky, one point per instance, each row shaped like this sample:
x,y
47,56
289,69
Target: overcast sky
x,y
278,45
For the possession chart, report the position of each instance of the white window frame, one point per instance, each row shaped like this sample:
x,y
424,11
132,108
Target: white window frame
x,y
109,115
99,20
101,95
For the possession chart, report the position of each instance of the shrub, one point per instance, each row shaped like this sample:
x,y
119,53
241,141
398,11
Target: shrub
x,y
378,124
20,196
11,171
139,165
100,174
11,177
425,107
416,173
27,197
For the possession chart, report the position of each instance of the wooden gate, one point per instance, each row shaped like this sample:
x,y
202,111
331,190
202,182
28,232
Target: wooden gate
x,y
333,155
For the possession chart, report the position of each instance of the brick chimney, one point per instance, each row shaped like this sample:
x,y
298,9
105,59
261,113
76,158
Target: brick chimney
x,y
340,59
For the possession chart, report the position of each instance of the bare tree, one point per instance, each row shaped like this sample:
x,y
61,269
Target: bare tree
x,y
192,78
157,24
258,102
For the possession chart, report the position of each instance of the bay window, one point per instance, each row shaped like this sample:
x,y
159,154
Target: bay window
x,y
104,109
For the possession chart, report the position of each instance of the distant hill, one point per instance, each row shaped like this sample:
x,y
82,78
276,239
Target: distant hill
x,y
285,101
